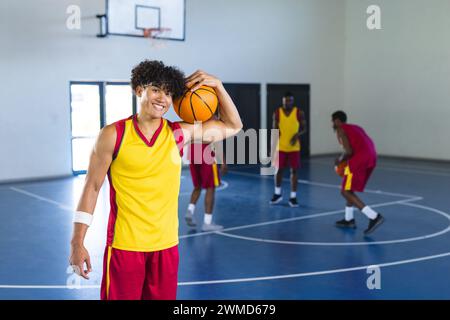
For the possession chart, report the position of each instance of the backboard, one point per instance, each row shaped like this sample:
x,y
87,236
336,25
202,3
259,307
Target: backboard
x,y
131,17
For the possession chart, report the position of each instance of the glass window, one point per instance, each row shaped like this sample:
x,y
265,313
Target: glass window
x,y
94,105
118,102
81,152
85,110
86,122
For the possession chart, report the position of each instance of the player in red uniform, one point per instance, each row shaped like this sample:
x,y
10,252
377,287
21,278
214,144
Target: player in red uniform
x,y
205,175
361,155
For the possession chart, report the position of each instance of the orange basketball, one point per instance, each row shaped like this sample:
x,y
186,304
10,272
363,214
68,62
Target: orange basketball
x,y
199,105
340,168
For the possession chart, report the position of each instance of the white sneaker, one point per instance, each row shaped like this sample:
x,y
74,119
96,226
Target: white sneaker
x,y
190,219
211,227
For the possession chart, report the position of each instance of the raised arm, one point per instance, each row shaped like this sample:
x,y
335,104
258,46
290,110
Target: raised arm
x,y
100,161
213,130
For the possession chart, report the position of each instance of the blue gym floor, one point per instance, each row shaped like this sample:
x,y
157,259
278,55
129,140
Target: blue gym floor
x,y
264,252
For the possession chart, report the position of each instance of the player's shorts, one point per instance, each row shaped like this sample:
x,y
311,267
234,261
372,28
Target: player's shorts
x,y
130,275
289,159
205,175
357,179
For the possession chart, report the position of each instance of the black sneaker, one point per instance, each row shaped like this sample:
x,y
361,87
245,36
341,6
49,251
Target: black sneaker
x,y
373,224
293,202
346,224
276,199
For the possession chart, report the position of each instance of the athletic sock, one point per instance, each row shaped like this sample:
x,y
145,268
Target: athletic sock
x,y
278,191
348,213
191,208
369,212
208,218
293,194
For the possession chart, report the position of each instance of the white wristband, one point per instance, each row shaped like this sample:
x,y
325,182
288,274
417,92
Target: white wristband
x,y
83,217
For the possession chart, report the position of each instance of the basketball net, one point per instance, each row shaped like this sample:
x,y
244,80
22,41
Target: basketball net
x,y
157,36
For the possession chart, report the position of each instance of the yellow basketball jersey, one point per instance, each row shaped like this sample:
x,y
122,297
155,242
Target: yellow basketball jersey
x,y
145,181
288,125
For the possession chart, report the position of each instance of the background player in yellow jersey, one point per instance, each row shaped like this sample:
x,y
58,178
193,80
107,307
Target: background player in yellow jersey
x,y
290,120
142,157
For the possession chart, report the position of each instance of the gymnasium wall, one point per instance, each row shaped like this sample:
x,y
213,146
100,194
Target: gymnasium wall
x,y
397,78
240,41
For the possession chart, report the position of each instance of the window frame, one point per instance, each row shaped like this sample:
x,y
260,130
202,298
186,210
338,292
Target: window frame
x,y
102,110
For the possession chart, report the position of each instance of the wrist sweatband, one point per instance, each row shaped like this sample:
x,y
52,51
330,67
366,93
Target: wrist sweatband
x,y
83,217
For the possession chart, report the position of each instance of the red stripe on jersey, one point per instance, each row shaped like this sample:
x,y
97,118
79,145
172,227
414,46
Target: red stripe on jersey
x,y
112,212
178,134
155,135
120,129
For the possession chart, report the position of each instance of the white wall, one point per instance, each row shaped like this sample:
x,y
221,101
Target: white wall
x,y
397,79
288,41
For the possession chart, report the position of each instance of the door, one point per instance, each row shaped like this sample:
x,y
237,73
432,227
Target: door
x,y
247,97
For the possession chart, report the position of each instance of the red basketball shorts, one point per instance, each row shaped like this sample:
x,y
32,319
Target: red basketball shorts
x,y
205,175
129,275
356,180
289,159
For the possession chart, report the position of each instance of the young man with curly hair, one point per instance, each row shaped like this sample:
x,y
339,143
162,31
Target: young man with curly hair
x,y
142,157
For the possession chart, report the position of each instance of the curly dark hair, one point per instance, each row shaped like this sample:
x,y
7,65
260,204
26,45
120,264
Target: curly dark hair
x,y
169,79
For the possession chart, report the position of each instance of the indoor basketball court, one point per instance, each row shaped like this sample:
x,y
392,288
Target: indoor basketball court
x,y
350,203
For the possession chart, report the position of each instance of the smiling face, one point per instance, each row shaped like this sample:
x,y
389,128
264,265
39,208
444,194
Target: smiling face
x,y
155,101
156,84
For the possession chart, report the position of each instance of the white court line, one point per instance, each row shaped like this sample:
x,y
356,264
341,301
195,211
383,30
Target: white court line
x,y
387,168
400,262
33,195
365,243
327,185
49,287
220,188
277,277
385,193
223,186
316,273
238,280
321,214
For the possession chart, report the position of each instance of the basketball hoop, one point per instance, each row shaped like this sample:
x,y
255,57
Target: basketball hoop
x,y
158,36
